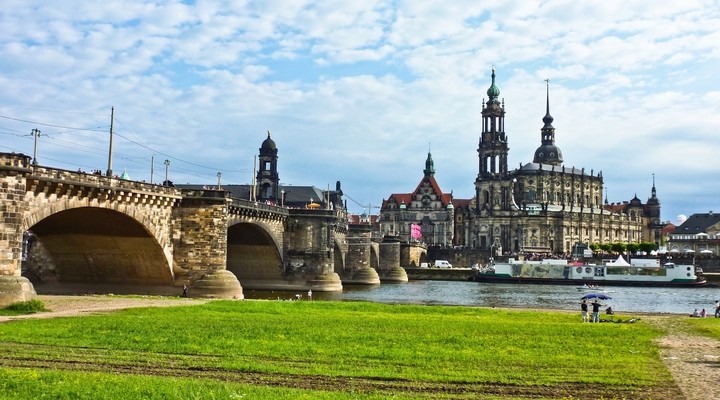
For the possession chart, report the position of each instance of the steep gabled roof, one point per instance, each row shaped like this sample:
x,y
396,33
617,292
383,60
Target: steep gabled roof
x,y
445,198
399,198
407,198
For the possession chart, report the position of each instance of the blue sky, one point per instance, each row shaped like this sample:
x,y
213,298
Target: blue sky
x,y
359,92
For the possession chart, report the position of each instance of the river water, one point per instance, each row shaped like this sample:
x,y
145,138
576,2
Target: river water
x,y
564,297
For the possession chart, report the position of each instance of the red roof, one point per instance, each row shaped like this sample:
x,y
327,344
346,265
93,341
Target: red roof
x,y
400,198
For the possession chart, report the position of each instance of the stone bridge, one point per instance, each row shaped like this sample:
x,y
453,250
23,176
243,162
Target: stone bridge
x,y
74,232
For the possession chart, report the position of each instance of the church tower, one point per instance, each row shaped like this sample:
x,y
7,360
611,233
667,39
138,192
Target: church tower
x,y
653,214
548,152
493,148
492,151
267,175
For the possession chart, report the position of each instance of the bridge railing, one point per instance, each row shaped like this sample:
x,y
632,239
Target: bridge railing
x,y
97,179
259,206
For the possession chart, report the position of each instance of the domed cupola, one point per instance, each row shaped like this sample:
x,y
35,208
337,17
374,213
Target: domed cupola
x,y
548,152
493,92
268,144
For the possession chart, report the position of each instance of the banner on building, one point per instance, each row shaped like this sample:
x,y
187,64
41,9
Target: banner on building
x,y
415,231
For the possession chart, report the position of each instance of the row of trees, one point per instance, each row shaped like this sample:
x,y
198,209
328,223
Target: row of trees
x,y
619,247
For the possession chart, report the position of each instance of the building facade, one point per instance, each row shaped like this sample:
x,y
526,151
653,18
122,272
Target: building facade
x,y
543,206
427,207
699,235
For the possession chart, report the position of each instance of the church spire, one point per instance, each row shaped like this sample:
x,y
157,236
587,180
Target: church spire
x,y
547,119
548,152
429,166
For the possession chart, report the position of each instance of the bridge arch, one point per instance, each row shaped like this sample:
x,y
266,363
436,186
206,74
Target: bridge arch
x,y
99,245
254,255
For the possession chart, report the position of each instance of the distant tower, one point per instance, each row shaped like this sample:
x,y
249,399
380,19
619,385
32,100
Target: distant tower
x,y
493,148
492,151
653,214
267,175
429,166
548,152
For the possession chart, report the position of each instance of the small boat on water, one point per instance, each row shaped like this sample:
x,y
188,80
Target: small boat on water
x,y
638,272
589,288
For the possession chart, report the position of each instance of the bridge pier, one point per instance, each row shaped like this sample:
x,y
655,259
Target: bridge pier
x,y
14,170
309,252
358,269
201,245
390,270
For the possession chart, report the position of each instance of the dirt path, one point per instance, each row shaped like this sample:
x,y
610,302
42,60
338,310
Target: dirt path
x,y
693,361
67,306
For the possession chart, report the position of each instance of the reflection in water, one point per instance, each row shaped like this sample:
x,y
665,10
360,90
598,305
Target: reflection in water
x,y
624,299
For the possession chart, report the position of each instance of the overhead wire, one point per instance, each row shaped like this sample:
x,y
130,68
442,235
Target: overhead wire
x,y
137,160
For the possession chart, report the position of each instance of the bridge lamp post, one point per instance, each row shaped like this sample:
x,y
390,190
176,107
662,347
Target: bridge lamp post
x,y
36,133
282,197
167,166
219,175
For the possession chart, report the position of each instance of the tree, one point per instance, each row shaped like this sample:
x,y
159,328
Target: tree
x,y
648,246
618,247
632,247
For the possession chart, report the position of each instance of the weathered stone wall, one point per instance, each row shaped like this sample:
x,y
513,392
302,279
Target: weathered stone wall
x,y
310,246
200,241
14,169
389,255
358,247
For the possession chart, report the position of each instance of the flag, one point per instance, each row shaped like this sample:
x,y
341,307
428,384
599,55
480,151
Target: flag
x,y
415,231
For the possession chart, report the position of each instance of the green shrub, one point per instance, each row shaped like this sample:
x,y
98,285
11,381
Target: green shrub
x,y
24,307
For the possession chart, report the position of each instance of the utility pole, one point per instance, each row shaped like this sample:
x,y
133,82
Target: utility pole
x,y
112,122
36,133
167,165
253,194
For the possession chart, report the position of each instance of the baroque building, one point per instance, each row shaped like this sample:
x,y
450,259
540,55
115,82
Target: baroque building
x,y
543,206
427,207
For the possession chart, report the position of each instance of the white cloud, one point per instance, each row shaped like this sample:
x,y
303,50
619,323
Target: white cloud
x,y
358,91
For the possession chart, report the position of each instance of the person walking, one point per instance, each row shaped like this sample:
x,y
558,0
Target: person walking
x,y
596,311
584,311
717,308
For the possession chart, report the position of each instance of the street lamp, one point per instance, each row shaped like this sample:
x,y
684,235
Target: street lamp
x,y
167,166
282,197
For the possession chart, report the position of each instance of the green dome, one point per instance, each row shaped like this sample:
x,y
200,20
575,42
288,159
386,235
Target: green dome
x,y
493,92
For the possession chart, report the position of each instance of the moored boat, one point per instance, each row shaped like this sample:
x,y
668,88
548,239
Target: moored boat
x,y
638,272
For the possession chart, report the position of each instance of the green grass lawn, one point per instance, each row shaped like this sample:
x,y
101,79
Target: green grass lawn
x,y
706,326
316,349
